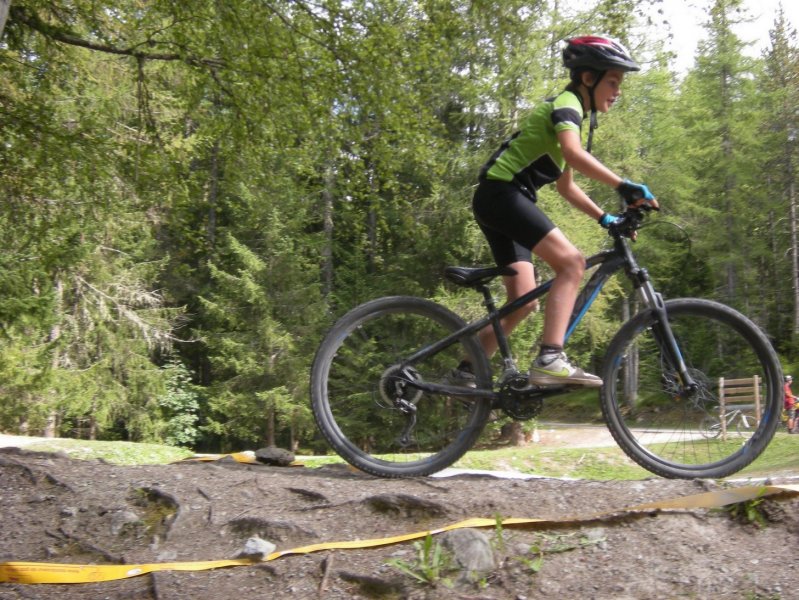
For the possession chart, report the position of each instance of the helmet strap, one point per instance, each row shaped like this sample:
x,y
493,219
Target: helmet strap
x,y
593,123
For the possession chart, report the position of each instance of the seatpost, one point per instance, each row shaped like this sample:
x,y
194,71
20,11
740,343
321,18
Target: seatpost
x,y
502,339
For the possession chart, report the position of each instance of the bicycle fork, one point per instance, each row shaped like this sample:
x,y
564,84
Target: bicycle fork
x,y
664,336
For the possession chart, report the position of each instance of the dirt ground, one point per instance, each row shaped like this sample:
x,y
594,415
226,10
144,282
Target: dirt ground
x,y
60,510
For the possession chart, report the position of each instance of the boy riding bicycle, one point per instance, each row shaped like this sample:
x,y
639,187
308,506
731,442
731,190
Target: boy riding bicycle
x,y
547,149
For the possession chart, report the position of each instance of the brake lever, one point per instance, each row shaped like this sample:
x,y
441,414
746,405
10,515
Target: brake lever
x,y
628,226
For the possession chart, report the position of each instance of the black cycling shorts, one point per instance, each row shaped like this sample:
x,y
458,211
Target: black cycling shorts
x,y
510,219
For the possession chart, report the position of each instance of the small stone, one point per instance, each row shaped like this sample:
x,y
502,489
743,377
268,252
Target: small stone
x,y
522,549
122,518
472,550
274,456
594,534
166,556
256,549
39,498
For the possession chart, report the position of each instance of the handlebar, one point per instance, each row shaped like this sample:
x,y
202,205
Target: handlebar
x,y
630,222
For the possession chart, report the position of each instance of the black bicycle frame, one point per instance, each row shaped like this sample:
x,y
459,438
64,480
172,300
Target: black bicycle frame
x,y
608,262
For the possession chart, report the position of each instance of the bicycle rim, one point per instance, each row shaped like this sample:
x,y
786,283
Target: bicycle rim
x,y
352,389
667,433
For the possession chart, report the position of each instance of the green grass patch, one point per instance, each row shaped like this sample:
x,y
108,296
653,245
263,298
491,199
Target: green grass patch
x,y
602,463
607,462
118,453
320,461
781,457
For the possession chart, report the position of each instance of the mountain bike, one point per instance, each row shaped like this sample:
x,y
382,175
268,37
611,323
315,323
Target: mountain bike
x,y
743,423
381,396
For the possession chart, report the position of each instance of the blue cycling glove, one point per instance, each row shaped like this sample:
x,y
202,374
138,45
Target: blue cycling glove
x,y
606,220
633,192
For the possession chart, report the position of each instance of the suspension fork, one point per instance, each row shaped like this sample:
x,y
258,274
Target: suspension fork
x,y
653,300
664,335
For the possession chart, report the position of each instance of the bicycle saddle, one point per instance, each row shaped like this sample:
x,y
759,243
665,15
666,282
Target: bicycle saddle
x,y
474,277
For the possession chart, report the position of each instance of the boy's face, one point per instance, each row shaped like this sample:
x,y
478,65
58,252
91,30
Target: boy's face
x,y
608,90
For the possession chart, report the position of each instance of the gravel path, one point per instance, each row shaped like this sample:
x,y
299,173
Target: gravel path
x,y
19,441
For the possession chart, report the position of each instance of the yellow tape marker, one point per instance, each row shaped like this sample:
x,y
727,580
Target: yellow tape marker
x,y
35,572
240,457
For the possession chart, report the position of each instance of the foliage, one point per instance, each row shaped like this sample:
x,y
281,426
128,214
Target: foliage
x,y
430,564
180,405
748,512
555,543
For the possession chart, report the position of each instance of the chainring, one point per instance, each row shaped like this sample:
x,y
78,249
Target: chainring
x,y
518,400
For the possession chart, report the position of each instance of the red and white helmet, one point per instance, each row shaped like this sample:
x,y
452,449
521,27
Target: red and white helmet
x,y
599,53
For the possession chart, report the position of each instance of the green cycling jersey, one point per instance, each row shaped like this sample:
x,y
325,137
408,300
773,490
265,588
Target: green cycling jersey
x,y
533,157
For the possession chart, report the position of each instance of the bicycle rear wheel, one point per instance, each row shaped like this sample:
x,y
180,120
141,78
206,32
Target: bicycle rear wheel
x,y
354,393
667,433
746,425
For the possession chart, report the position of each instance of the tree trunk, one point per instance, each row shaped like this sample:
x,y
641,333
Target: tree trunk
x,y
92,435
51,425
327,225
4,6
270,427
794,256
371,221
213,194
512,433
729,186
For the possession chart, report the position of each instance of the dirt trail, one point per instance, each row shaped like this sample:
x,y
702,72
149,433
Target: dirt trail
x,y
60,510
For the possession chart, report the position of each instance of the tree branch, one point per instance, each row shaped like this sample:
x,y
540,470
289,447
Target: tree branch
x,y
33,21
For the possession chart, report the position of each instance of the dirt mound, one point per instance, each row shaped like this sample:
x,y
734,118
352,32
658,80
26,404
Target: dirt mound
x,y
60,510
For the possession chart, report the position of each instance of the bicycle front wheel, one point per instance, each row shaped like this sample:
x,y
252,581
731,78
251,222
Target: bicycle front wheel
x,y
374,425
673,434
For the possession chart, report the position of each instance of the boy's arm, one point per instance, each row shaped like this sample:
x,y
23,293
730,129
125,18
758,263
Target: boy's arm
x,y
583,162
575,195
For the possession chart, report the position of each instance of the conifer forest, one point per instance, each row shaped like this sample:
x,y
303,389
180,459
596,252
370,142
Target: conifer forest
x,y
192,192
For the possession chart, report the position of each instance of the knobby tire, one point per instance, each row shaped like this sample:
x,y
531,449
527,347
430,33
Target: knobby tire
x,y
662,429
353,388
